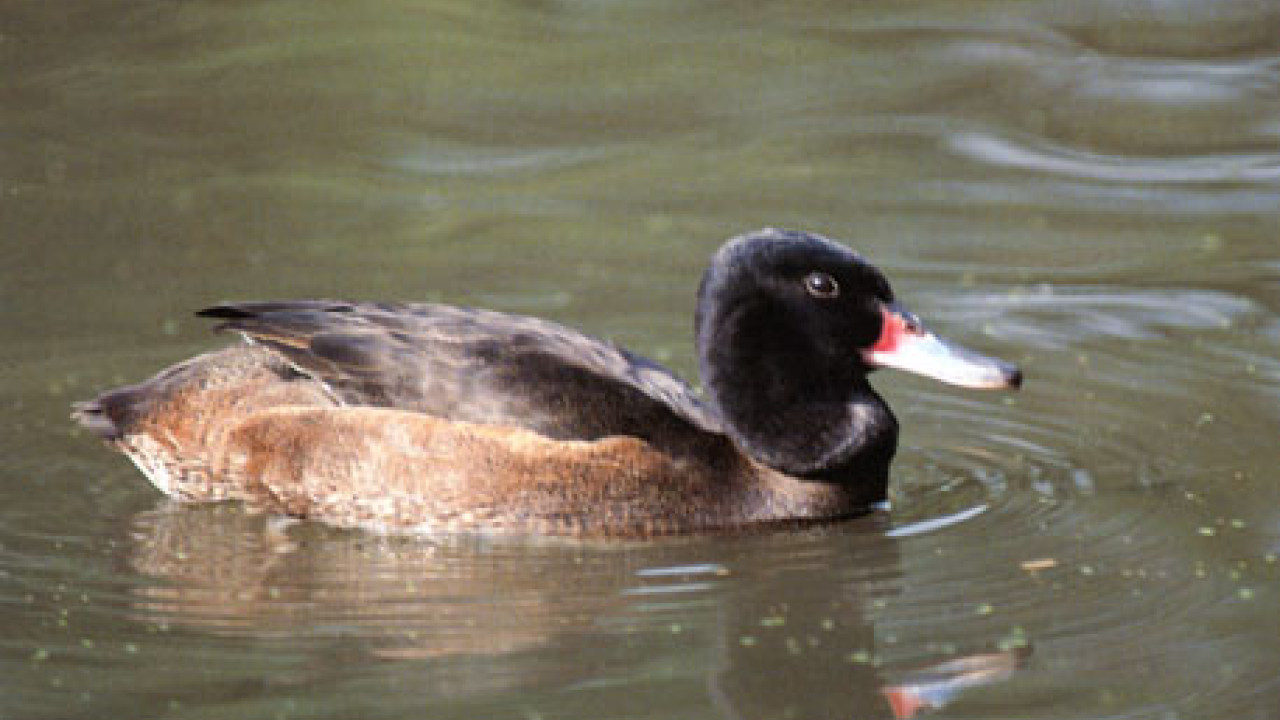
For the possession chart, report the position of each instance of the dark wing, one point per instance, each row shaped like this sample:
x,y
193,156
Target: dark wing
x,y
475,365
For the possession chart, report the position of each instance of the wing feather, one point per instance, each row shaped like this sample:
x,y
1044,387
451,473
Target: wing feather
x,y
474,365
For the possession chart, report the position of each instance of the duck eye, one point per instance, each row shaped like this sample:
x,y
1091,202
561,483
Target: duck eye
x,y
821,285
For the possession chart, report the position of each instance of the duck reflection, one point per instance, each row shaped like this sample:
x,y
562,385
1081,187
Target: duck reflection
x,y
229,570
504,615
932,687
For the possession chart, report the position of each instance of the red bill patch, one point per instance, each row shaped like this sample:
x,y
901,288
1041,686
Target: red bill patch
x,y
892,328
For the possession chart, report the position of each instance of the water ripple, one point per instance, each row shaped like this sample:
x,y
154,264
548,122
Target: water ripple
x,y
1054,317
437,159
1046,157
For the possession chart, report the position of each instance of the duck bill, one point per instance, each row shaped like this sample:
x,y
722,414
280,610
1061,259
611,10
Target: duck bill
x,y
904,344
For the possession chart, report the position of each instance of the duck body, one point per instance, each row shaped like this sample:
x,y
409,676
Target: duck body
x,y
431,418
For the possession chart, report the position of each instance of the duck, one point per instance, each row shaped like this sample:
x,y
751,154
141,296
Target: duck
x,y
417,418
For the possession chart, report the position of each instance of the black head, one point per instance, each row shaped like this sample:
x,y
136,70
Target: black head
x,y
820,297
789,324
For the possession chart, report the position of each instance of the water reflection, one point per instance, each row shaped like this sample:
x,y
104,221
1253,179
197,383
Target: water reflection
x,y
520,609
933,687
226,570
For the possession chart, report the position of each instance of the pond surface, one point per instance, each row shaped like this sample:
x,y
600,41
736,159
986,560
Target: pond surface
x,y
1090,189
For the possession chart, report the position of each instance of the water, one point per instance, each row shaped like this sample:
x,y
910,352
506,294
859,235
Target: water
x,y
1087,188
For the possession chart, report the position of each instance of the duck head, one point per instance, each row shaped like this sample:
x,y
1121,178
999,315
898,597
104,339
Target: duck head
x,y
788,327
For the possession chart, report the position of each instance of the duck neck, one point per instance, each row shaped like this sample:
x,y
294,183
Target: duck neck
x,y
785,406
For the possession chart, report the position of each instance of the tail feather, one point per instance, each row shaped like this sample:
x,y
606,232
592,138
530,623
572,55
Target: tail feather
x,y
237,310
108,415
284,325
172,425
93,417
